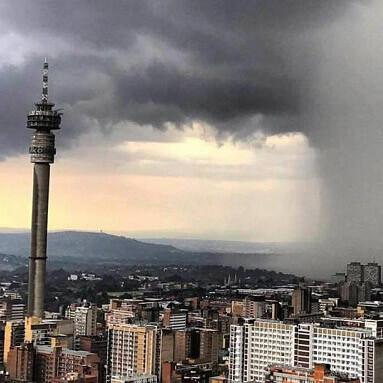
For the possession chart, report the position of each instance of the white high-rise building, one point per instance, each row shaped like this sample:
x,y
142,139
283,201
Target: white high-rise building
x,y
133,350
356,352
345,350
84,317
257,344
175,320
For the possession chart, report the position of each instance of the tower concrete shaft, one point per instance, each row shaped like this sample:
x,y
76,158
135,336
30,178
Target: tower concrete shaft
x,y
42,150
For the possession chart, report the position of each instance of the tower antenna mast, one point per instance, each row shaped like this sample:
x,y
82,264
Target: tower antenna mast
x,y
42,150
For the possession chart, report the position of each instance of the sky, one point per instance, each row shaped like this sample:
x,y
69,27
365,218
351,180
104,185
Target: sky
x,y
250,120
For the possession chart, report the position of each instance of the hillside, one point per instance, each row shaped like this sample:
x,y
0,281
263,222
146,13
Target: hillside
x,y
10,262
85,246
79,248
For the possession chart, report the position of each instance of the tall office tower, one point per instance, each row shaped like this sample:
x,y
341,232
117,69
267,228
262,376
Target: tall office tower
x,y
373,274
301,300
42,150
355,271
84,317
133,350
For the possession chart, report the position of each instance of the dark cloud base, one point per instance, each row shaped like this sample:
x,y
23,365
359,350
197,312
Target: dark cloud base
x,y
222,62
238,63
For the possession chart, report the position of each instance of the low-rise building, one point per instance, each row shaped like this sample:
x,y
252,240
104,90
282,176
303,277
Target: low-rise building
x,y
319,374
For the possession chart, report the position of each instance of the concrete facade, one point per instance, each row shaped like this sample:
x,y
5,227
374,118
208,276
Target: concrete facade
x,y
42,151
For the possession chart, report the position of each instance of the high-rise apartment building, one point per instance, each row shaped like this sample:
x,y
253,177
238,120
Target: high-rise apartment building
x,y
49,332
2,341
96,345
13,336
133,350
257,344
174,319
199,344
373,274
12,310
182,344
349,292
353,293
254,306
120,316
20,362
355,272
350,351
55,362
356,352
364,292
84,317
208,345
325,305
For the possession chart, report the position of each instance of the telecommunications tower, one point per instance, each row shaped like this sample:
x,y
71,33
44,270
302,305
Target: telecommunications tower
x,y
42,150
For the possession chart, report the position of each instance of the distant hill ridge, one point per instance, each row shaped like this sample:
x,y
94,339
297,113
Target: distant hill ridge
x,y
77,248
87,245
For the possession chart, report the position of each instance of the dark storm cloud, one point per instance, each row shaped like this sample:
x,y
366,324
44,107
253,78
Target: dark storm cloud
x,y
196,97
312,66
221,62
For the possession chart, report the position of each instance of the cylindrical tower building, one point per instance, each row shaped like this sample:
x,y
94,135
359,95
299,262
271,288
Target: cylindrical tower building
x,y
42,151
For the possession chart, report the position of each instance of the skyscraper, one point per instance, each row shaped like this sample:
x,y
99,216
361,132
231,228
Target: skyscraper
x,y
355,271
42,151
373,273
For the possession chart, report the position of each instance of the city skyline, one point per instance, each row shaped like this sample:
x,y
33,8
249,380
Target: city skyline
x,y
214,210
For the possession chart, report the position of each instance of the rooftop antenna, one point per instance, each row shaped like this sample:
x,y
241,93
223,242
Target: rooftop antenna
x,y
44,97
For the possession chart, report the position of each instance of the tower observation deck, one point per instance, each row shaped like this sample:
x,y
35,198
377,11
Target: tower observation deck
x,y
43,120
